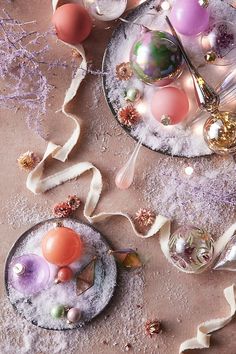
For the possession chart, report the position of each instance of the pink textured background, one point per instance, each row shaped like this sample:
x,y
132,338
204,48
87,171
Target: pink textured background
x,y
180,301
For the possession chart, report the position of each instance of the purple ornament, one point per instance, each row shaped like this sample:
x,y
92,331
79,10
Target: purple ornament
x,y
29,274
189,17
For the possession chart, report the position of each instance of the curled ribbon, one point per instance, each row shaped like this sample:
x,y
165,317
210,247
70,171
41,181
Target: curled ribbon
x,y
204,330
37,184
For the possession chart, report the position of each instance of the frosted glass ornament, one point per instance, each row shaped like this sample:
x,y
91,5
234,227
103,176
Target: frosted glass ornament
x,y
29,274
105,10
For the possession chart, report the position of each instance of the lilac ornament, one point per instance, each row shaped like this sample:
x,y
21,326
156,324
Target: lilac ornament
x,y
189,17
29,274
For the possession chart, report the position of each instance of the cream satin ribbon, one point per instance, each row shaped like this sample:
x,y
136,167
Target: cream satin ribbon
x,y
37,184
204,330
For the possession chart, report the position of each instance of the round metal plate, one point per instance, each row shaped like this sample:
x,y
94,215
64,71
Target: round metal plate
x,y
106,265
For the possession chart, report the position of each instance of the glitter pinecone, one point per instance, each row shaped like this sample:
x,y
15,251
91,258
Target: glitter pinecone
x,y
145,217
74,202
62,210
28,161
124,71
129,115
152,327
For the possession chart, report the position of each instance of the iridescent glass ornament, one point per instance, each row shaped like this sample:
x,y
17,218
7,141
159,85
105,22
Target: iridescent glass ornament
x,y
29,274
191,249
156,58
227,260
219,43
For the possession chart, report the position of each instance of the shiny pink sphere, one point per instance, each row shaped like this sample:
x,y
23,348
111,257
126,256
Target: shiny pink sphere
x,y
170,103
189,17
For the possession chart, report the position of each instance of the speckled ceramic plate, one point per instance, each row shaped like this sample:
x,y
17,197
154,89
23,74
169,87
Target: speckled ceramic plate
x,y
92,302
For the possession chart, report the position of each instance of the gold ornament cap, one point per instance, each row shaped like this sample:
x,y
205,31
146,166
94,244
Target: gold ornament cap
x,y
204,3
210,57
165,119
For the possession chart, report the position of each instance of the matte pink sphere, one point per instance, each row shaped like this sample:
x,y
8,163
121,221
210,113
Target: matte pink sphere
x,y
170,105
189,17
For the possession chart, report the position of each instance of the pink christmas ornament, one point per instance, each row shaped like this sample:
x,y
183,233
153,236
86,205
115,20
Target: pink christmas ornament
x,y
189,17
170,105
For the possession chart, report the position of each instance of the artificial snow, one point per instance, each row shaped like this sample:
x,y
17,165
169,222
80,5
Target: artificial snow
x,y
183,139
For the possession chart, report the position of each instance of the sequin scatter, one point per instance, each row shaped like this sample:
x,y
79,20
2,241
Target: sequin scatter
x,y
152,327
145,217
124,71
28,161
129,115
74,202
62,210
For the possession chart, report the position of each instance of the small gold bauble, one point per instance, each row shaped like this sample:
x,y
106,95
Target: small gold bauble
x,y
165,119
210,57
220,132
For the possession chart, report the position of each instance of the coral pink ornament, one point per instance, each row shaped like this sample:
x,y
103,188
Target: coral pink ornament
x,y
189,17
170,105
72,23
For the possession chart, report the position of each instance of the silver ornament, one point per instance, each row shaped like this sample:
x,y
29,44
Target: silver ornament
x,y
227,260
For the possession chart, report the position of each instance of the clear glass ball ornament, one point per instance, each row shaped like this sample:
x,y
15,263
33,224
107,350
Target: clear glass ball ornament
x,y
105,10
191,249
219,43
220,132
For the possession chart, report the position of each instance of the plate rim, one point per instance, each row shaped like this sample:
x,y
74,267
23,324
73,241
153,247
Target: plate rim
x,y
17,243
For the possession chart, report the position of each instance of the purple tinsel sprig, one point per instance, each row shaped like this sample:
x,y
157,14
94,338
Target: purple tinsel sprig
x,y
23,68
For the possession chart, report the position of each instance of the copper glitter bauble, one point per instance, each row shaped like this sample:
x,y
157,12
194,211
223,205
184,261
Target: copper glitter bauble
x,y
220,132
124,71
129,115
74,202
153,327
145,217
28,161
62,210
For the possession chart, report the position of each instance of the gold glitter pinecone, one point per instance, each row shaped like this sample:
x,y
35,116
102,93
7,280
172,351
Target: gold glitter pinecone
x,y
124,71
28,161
145,217
152,327
129,115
